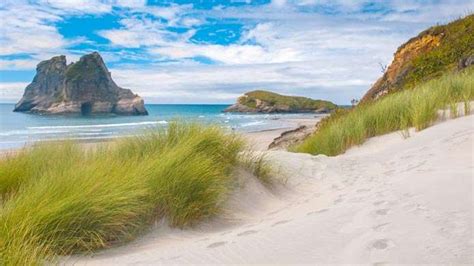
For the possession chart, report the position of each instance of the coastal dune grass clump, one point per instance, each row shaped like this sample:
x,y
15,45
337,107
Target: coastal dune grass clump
x,y
60,199
417,107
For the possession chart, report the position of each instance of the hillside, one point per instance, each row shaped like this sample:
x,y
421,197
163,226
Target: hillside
x,y
261,101
433,52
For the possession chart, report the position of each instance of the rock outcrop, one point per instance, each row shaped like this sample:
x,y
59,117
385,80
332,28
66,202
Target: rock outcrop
x,y
85,87
466,62
291,137
260,101
432,53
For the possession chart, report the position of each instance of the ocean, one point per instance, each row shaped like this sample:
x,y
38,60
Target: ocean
x,y
18,129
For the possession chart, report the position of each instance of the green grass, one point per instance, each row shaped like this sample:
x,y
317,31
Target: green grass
x,y
433,53
409,108
58,199
260,167
456,43
293,102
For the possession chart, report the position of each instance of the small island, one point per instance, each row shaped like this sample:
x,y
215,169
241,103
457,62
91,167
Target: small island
x,y
260,101
85,87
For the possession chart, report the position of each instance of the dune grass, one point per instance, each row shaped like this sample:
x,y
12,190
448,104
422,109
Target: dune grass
x,y
260,166
58,199
416,107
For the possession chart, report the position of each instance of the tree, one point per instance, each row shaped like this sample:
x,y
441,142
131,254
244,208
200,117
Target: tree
x,y
383,67
354,102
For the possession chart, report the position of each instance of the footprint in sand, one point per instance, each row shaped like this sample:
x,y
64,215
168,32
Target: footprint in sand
x,y
217,244
249,232
380,227
382,211
318,211
281,222
413,167
382,244
339,200
274,212
380,202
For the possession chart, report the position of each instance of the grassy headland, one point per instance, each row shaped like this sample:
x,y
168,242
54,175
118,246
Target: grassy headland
x,y
280,102
59,199
431,54
417,108
295,102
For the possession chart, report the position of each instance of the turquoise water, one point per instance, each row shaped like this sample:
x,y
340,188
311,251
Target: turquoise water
x,y
18,129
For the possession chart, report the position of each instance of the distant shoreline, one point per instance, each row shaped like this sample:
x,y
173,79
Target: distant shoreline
x,y
258,139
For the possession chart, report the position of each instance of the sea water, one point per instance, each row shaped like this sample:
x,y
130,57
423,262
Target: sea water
x,y
18,129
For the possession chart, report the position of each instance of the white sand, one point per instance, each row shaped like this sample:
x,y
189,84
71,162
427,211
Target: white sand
x,y
392,200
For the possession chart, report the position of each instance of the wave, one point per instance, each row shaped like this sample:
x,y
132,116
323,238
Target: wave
x,y
30,132
255,123
103,125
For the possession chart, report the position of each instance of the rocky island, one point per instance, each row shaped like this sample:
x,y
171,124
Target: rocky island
x,y
260,101
85,87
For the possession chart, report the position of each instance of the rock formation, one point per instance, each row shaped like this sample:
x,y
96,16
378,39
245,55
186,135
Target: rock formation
x,y
291,137
466,62
85,87
260,101
432,53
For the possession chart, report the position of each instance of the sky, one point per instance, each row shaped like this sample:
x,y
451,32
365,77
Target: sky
x,y
212,51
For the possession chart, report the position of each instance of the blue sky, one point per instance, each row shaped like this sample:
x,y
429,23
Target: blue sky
x,y
213,51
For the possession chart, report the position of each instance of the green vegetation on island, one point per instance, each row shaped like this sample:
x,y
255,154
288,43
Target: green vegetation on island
x,y
270,102
61,199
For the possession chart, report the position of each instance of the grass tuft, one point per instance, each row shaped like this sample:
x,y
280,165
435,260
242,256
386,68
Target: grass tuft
x,y
259,166
58,199
409,108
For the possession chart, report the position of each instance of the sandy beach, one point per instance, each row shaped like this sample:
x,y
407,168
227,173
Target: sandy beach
x,y
392,200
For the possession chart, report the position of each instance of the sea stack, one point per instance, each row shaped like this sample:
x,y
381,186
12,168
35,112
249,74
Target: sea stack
x,y
85,87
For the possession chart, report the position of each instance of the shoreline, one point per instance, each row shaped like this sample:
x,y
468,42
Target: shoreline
x,y
258,140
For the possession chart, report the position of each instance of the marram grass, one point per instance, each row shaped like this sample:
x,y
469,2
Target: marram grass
x,y
416,107
58,199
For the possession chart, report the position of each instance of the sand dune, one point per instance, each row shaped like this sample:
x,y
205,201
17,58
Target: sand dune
x,y
392,200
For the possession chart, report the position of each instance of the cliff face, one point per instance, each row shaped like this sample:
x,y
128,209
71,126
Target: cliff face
x,y
432,53
84,87
268,102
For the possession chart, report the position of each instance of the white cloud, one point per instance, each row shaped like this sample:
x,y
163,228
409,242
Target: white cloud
x,y
130,3
138,31
17,64
78,6
227,54
12,91
29,33
223,83
279,3
287,46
